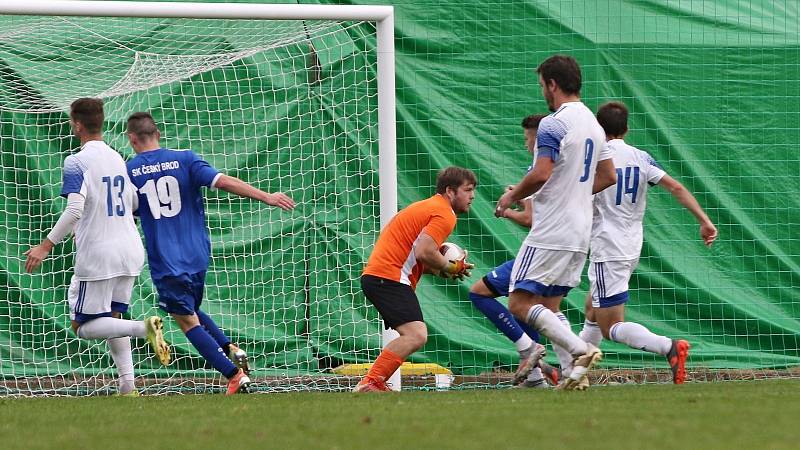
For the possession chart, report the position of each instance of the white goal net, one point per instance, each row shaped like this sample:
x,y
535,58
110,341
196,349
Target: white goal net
x,y
286,105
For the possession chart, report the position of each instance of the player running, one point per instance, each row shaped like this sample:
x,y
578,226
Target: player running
x,y
571,165
616,243
176,236
108,250
484,292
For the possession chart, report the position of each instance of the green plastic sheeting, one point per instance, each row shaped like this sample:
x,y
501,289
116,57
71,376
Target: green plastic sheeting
x,y
714,94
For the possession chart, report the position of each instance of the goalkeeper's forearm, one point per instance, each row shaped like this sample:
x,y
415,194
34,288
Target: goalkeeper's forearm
x,y
427,252
66,223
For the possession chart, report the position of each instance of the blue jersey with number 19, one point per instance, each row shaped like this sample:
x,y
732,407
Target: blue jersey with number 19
x,y
171,209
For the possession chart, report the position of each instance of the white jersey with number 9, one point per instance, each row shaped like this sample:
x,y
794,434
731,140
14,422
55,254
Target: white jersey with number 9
x,y
562,212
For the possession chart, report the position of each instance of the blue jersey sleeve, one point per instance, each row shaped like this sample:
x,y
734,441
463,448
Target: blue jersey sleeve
x,y
548,138
72,180
202,172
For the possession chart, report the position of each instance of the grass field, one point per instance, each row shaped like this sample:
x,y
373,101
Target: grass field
x,y
760,414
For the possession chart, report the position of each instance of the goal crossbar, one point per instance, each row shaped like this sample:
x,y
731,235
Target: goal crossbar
x,y
196,10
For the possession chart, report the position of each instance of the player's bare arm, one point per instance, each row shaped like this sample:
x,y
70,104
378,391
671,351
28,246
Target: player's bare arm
x,y
605,175
532,182
236,186
523,216
708,232
37,254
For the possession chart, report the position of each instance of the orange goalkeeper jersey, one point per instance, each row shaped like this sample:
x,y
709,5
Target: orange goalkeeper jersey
x,y
393,256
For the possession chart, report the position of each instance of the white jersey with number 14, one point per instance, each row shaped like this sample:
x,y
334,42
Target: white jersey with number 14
x,y
619,210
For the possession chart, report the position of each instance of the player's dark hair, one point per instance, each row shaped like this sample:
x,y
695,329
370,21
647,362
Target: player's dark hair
x,y
89,113
142,125
564,70
453,177
532,121
613,117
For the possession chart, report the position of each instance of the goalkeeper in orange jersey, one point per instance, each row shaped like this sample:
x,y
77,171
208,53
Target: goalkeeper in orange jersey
x,y
406,248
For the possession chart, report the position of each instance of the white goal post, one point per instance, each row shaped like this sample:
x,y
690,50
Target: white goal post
x,y
381,16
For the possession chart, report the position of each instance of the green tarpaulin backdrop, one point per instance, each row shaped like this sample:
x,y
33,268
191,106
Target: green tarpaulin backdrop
x,y
714,94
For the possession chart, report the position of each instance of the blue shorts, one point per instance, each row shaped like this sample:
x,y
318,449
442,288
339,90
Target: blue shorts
x,y
497,279
182,294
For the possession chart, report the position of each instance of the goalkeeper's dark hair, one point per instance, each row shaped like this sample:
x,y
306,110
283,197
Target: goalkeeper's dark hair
x,y
532,121
613,117
564,70
89,113
142,125
453,177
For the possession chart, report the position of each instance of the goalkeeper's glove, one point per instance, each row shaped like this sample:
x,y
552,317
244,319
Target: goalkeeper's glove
x,y
456,269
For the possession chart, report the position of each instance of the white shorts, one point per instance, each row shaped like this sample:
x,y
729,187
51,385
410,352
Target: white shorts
x,y
92,299
547,273
608,282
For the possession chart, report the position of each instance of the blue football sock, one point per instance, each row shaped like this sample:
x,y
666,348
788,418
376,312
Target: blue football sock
x,y
211,351
501,317
533,334
208,323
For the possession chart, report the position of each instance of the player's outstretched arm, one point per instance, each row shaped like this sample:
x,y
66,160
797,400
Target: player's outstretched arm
x,y
708,232
236,186
64,226
605,175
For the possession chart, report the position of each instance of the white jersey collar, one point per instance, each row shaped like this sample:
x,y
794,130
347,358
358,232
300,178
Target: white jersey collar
x,y
95,143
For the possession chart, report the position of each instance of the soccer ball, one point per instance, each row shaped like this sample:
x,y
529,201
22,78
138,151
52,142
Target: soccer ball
x,y
452,252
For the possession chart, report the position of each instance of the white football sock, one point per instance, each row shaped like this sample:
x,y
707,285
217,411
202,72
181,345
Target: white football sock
x,y
591,333
535,375
543,320
523,343
564,357
121,354
636,336
109,327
